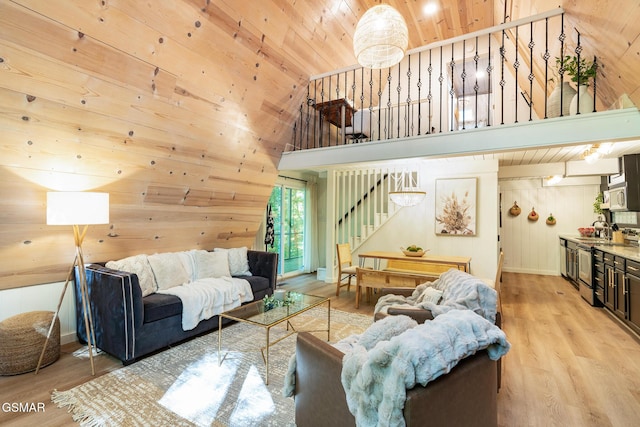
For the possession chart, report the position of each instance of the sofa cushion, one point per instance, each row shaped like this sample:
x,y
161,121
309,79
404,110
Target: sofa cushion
x,y
238,260
258,283
138,265
171,269
161,306
210,264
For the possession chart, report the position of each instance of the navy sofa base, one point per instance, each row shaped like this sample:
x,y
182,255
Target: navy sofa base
x,y
130,327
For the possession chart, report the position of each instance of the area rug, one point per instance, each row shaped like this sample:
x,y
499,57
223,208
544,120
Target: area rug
x,y
184,386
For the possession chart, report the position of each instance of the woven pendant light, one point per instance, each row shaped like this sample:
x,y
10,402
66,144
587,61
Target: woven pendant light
x,y
381,37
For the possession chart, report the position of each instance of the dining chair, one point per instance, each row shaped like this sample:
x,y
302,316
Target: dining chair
x,y
345,266
496,283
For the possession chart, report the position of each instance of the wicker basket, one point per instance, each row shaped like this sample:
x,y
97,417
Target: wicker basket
x,y
22,337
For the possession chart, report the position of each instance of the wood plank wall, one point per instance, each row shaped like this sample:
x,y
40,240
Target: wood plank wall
x,y
179,112
180,109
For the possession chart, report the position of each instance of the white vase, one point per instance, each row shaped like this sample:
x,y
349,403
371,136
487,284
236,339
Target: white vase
x,y
553,103
586,101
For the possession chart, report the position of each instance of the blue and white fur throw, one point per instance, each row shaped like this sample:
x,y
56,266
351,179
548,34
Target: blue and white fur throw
x,y
375,380
460,290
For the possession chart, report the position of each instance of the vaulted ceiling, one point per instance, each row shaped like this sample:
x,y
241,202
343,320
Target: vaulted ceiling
x,y
180,109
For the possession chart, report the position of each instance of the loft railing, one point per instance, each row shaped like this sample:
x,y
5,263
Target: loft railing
x,y
493,77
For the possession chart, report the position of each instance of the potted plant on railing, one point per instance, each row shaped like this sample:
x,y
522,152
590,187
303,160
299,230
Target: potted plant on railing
x,y
559,101
581,73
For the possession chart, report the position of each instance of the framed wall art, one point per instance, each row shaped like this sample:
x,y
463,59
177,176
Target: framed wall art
x,y
456,206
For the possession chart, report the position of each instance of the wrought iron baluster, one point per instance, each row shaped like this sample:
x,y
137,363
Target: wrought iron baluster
x,y
476,86
308,118
595,80
419,84
387,124
546,57
430,95
463,76
490,80
371,105
516,66
502,82
532,44
407,122
379,104
561,37
578,69
441,79
398,90
452,66
321,130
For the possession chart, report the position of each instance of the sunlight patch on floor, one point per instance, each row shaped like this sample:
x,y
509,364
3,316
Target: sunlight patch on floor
x,y
254,403
203,388
200,390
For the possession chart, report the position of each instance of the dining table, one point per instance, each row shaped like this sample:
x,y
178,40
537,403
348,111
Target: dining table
x,y
460,262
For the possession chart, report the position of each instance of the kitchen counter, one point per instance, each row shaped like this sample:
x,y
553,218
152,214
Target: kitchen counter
x,y
625,250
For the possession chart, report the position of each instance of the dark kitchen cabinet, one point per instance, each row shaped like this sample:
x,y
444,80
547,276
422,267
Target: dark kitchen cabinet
x,y
614,297
610,282
598,282
632,292
620,306
572,263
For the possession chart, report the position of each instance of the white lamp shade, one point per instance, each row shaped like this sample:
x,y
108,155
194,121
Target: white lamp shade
x,y
77,208
381,37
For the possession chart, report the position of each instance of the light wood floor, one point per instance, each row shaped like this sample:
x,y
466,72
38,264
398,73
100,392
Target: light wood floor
x,y
570,364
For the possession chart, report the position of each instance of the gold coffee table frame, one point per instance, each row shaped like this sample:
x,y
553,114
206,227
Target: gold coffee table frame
x,y
255,314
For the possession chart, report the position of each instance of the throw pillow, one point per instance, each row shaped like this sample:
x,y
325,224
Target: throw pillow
x,y
238,260
431,295
138,265
168,269
211,264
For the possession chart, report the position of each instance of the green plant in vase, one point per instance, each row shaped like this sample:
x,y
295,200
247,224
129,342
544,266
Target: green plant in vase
x,y
580,72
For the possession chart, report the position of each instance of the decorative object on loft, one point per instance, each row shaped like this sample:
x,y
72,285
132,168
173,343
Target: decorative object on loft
x,y
533,215
515,209
580,72
77,208
407,193
456,206
585,103
566,92
551,220
381,37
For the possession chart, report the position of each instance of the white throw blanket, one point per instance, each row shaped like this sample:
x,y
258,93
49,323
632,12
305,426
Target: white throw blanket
x,y
376,380
460,290
208,297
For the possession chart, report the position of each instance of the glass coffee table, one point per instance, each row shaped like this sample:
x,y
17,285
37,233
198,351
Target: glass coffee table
x,y
255,313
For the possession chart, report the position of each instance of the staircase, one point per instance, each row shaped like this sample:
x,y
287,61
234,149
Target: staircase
x,y
362,202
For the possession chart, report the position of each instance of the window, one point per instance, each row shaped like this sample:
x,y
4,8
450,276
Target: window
x,y
288,210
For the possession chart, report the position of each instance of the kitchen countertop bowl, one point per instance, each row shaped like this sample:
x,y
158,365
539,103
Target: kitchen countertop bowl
x,y
586,231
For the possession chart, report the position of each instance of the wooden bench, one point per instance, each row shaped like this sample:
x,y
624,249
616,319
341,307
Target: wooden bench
x,y
378,279
416,267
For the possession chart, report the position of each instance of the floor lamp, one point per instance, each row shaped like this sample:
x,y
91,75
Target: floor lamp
x,y
78,209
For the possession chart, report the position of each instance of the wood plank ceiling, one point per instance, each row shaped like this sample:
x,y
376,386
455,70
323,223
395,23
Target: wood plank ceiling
x,y
180,109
